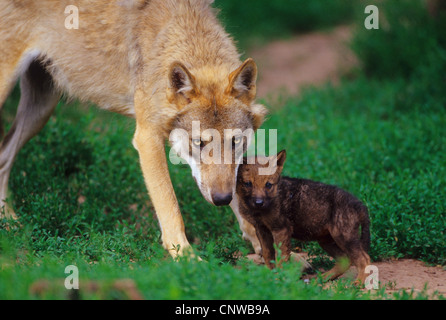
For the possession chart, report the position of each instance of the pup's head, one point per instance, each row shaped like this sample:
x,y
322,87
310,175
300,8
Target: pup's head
x,y
216,117
258,190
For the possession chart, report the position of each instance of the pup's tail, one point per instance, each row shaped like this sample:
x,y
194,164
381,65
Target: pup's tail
x,y
365,229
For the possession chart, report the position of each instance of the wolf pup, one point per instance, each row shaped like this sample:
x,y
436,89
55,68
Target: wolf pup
x,y
281,208
166,63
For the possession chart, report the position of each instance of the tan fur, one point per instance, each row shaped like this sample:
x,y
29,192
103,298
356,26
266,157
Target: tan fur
x,y
128,56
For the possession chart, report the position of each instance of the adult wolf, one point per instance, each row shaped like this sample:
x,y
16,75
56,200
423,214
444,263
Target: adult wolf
x,y
164,62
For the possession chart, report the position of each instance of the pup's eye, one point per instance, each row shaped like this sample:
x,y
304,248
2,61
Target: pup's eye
x,y
196,142
268,185
248,184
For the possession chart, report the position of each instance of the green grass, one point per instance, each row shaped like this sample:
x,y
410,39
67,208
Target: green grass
x,y
80,196
356,136
161,278
254,22
406,40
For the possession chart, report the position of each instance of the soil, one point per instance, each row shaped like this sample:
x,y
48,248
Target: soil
x,y
409,273
313,59
310,59
396,275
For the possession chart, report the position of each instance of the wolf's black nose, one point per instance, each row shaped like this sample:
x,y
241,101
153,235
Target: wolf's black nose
x,y
222,199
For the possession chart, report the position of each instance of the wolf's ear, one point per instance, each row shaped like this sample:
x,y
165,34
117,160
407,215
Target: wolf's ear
x,y
258,113
242,82
181,87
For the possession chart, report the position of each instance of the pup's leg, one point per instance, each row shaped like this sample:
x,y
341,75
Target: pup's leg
x,y
37,102
282,237
360,259
345,232
342,262
267,242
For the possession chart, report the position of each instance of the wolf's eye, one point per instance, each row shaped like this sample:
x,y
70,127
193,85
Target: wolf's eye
x,y
268,185
237,140
196,142
248,184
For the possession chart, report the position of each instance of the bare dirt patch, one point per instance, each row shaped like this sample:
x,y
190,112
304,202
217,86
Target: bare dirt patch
x,y
310,59
396,275
410,274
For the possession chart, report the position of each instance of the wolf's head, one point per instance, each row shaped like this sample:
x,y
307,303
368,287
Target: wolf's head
x,y
258,188
216,118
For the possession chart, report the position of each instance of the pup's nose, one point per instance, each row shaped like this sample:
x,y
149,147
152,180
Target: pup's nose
x,y
258,202
222,199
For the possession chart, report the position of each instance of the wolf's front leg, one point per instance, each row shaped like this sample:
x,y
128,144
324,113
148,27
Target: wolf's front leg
x,y
248,230
150,146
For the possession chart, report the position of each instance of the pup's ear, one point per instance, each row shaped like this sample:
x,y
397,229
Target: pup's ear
x,y
281,157
258,113
242,82
181,87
